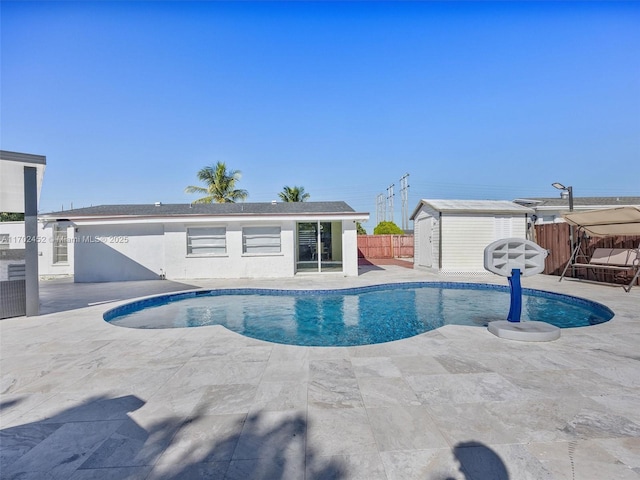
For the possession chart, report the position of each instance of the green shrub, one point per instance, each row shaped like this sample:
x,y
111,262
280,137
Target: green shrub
x,y
11,217
387,228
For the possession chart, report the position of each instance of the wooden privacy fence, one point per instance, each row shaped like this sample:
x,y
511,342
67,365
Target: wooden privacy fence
x,y
385,246
555,238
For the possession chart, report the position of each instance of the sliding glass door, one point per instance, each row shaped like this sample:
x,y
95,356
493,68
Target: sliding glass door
x,y
319,247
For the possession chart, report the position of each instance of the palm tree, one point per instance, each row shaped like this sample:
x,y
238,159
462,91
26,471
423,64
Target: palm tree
x,y
220,185
293,194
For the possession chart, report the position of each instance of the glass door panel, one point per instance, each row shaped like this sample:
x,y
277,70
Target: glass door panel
x,y
331,244
307,256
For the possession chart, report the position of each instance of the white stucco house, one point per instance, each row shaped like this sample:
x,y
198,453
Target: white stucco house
x,y
450,235
181,241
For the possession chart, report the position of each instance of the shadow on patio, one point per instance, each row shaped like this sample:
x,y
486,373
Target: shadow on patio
x,y
99,439
61,295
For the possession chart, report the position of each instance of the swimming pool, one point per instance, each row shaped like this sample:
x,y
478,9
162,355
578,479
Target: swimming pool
x,y
355,316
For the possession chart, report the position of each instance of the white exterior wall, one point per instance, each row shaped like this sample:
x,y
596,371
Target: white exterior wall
x,y
15,231
349,248
549,217
233,264
144,251
46,267
107,253
465,237
464,240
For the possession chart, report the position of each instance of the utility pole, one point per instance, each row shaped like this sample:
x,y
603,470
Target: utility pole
x,y
380,208
390,200
404,197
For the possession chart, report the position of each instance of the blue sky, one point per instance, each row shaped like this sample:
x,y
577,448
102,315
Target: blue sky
x,y
474,100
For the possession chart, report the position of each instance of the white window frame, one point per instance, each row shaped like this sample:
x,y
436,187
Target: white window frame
x,y
211,241
60,245
262,240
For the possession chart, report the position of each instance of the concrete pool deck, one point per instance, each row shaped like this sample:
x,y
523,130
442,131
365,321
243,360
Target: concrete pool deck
x,y
82,399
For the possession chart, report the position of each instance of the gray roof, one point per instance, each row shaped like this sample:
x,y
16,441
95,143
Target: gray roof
x,y
579,201
23,157
473,206
200,209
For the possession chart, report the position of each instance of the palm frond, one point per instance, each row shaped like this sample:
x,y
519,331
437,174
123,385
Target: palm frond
x,y
293,194
195,189
220,185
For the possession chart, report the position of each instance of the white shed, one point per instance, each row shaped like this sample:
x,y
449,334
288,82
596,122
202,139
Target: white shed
x,y
450,235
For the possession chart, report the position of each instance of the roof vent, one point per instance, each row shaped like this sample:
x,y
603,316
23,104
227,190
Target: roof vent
x,y
158,204
273,202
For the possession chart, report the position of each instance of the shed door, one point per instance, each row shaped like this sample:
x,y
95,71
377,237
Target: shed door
x,y
425,227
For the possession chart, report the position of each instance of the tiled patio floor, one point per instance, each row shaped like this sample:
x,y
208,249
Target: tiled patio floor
x,y
82,399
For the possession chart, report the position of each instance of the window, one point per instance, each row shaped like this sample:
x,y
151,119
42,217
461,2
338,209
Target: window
x,y
60,244
206,241
261,240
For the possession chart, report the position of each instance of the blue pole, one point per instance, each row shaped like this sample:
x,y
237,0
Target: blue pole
x,y
515,309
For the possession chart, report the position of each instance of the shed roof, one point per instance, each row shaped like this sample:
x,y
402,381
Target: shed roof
x,y
200,209
473,206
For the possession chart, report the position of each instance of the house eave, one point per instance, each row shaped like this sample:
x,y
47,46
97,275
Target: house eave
x,y
202,218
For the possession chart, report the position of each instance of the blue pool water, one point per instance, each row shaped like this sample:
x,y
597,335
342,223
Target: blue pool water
x,y
357,316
